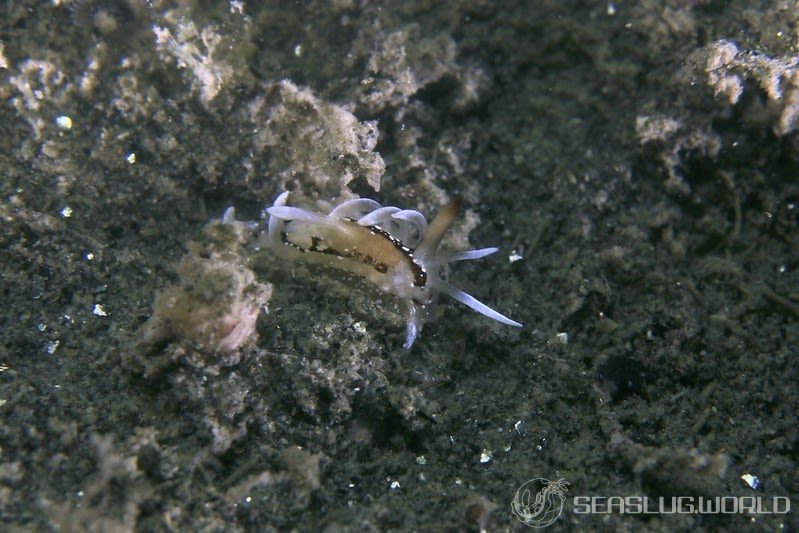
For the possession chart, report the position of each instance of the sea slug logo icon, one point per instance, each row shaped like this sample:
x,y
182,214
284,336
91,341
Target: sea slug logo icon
x,y
539,501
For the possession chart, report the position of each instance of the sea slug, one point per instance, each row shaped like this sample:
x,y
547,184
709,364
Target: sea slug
x,y
393,248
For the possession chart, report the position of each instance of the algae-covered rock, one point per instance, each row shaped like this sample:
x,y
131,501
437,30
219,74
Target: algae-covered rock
x,y
313,144
217,301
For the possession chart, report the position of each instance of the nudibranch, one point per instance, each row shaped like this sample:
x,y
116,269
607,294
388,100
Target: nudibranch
x,y
393,248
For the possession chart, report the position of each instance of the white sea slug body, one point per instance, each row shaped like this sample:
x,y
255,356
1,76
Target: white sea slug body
x,y
393,248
